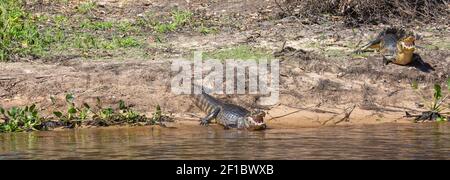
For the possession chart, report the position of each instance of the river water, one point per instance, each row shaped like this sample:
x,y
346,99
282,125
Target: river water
x,y
389,141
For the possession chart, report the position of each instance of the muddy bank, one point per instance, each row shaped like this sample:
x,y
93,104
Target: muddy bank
x,y
312,94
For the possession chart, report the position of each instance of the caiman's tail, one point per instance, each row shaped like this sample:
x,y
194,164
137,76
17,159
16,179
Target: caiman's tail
x,y
398,32
204,101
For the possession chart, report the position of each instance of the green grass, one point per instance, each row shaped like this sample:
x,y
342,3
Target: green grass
x,y
127,27
43,35
86,7
19,34
127,42
206,30
241,52
435,45
88,41
102,25
178,19
89,36
60,21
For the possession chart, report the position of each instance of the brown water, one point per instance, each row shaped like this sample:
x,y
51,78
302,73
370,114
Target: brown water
x,y
416,141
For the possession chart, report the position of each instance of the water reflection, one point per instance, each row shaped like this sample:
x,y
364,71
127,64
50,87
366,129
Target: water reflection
x,y
416,141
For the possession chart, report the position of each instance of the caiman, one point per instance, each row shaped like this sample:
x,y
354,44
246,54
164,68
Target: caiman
x,y
395,45
228,115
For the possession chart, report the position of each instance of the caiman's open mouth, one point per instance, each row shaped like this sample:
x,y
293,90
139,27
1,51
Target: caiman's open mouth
x,y
255,124
408,43
256,120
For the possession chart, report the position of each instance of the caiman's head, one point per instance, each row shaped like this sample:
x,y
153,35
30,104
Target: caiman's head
x,y
405,50
254,121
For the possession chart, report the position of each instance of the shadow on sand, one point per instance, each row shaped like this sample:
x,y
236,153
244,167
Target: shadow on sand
x,y
421,65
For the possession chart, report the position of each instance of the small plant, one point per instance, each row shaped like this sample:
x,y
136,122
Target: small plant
x,y
27,119
206,30
124,115
157,114
20,119
125,27
74,116
436,105
241,52
129,115
159,117
126,42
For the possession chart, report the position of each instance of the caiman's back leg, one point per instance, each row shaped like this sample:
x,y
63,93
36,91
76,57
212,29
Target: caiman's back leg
x,y
206,120
375,44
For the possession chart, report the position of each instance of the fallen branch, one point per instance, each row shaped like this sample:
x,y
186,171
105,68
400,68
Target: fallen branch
x,y
276,117
293,112
36,77
45,76
348,111
286,11
347,115
6,78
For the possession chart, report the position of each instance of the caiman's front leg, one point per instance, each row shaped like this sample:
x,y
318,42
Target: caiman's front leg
x,y
206,120
386,61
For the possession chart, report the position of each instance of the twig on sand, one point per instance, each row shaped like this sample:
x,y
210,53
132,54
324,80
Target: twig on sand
x,y
36,77
284,115
43,76
281,7
6,78
283,46
193,115
293,112
348,111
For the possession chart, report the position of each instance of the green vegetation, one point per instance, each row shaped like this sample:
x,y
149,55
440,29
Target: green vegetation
x,y
363,55
52,35
442,45
20,119
126,27
28,119
101,25
19,35
437,103
178,20
126,42
206,30
241,52
86,7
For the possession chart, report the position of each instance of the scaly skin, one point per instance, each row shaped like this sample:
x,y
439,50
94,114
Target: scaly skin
x,y
396,46
228,115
